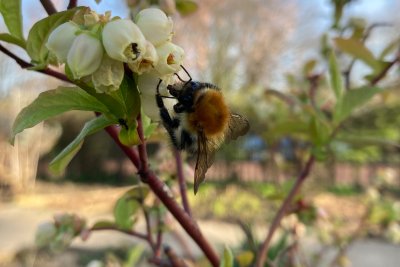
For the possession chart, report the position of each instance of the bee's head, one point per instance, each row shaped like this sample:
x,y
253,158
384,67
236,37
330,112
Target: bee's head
x,y
185,93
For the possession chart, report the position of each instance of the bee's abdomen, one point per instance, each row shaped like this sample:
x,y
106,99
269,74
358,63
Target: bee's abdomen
x,y
211,114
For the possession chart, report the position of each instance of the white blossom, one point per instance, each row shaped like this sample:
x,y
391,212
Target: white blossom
x,y
60,40
147,62
170,58
123,41
155,25
147,84
85,55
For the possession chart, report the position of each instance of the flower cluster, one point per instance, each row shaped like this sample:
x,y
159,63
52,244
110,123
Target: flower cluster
x,y
96,47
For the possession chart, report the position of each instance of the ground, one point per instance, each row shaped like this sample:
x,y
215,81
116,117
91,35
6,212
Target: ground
x,y
19,219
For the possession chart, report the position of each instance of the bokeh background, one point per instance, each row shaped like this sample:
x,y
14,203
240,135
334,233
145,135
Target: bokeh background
x,y
262,54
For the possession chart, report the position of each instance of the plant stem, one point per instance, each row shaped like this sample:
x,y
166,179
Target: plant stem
x,y
144,166
262,254
72,4
129,232
383,73
182,182
23,64
48,6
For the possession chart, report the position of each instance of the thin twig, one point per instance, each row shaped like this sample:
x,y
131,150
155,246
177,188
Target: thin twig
x,y
313,80
148,228
160,231
173,258
48,6
368,32
72,4
142,147
129,232
23,64
383,73
182,182
261,257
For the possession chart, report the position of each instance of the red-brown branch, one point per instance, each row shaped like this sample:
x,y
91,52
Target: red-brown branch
x,y
72,4
262,254
48,6
182,182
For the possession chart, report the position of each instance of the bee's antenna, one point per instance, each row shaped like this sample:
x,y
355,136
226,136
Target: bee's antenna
x,y
190,77
158,87
182,80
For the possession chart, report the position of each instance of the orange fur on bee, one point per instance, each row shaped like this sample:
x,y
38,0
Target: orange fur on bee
x,y
211,114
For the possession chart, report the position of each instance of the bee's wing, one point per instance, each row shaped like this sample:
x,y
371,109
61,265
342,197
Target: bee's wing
x,y
205,157
206,147
237,126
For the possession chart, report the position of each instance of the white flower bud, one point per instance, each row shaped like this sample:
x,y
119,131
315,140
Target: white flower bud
x,y
45,234
85,55
61,39
108,76
155,25
124,41
147,85
147,62
170,58
91,18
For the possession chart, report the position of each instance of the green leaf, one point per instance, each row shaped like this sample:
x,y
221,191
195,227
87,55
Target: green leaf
x,y
186,7
126,207
351,100
336,76
227,260
148,126
358,50
319,132
245,258
11,11
129,136
52,103
102,225
279,246
60,162
308,67
6,37
134,256
129,97
39,33
392,46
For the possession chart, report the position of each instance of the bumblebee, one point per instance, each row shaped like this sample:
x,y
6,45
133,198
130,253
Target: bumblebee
x,y
201,123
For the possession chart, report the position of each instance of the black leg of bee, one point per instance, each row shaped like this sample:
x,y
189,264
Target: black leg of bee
x,y
164,114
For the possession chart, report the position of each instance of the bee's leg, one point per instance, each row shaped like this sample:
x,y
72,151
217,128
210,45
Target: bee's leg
x,y
190,77
179,108
170,124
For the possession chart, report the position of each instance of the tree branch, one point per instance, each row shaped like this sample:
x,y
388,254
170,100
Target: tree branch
x,y
182,182
128,232
72,4
23,64
262,254
383,73
48,6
